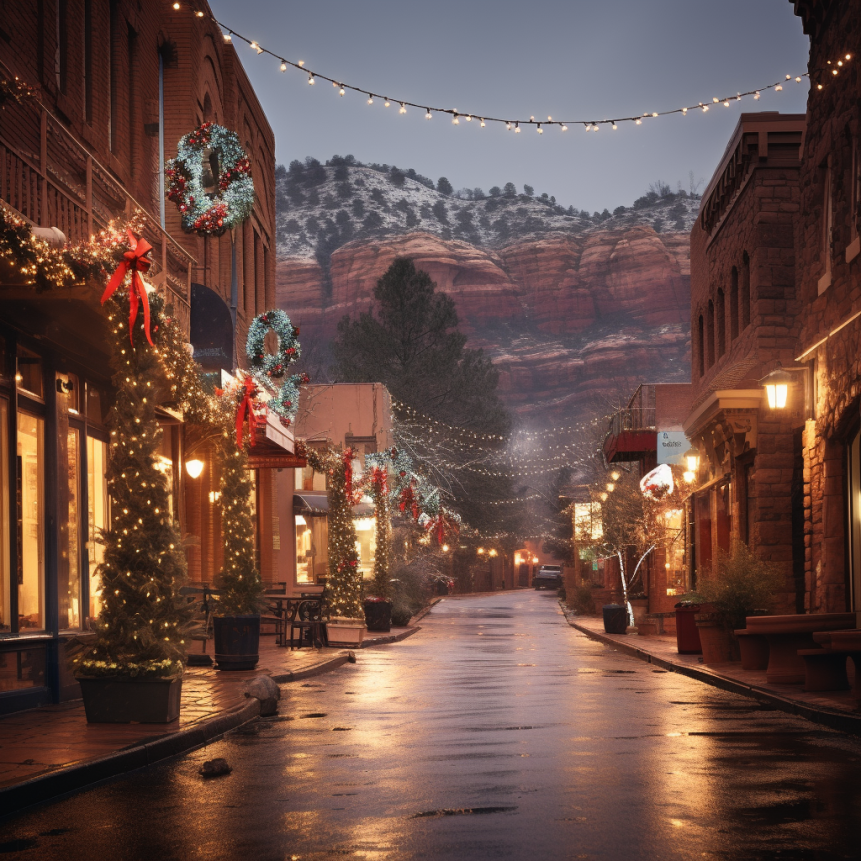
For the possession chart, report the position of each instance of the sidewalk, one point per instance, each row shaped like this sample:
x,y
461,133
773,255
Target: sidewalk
x,y
835,709
52,750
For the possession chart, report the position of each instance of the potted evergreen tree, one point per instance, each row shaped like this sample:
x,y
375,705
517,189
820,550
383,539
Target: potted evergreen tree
x,y
744,584
342,596
236,623
132,670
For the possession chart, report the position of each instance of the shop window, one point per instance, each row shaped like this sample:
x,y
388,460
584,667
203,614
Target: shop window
x,y
5,543
745,291
307,479
733,304
710,333
22,668
69,579
723,516
720,311
29,372
853,501
97,405
701,347
703,526
98,516
30,494
312,548
366,544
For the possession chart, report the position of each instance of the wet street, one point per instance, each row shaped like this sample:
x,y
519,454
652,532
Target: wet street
x,y
496,732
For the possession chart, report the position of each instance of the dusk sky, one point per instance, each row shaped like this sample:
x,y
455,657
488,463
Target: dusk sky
x,y
571,60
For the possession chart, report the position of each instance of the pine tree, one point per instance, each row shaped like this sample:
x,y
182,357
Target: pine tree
x,y
141,630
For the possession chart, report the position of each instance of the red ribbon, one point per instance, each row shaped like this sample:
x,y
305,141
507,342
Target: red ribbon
x,y
379,477
348,472
440,526
135,262
408,499
246,409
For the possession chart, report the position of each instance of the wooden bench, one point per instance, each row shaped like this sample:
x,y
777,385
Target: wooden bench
x,y
825,667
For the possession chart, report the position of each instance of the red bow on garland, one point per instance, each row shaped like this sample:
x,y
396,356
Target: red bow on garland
x,y
135,262
409,500
380,479
440,525
246,409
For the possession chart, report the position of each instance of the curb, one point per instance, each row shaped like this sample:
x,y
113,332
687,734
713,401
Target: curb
x,y
422,613
77,776
841,721
393,638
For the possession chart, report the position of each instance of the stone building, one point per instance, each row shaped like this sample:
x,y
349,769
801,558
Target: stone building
x,y
776,288
115,85
828,287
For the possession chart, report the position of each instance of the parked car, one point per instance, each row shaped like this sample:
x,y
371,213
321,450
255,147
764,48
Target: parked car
x,y
547,577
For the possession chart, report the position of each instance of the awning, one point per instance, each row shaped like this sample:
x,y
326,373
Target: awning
x,y
316,504
273,446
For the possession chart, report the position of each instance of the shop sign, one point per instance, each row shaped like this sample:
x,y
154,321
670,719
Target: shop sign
x,y
672,446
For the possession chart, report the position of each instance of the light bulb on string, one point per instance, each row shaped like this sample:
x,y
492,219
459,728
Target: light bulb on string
x,y
455,121
756,96
283,66
341,91
370,98
403,109
311,79
540,130
386,103
517,128
228,37
482,123
508,126
428,114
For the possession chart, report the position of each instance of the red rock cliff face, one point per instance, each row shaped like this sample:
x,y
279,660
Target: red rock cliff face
x,y
568,320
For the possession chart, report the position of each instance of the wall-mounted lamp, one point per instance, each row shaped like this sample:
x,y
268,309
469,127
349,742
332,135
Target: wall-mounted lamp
x,y
445,548
194,467
480,551
692,459
534,560
493,553
776,385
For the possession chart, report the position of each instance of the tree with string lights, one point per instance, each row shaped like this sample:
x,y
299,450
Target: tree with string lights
x,y
141,630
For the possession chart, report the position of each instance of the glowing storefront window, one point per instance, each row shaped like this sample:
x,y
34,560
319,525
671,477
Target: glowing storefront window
x,y
98,516
31,523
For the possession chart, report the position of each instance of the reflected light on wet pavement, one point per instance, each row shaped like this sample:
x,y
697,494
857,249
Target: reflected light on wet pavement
x,y
451,745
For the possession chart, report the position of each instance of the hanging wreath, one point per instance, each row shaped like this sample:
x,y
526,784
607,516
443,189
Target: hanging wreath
x,y
269,368
210,180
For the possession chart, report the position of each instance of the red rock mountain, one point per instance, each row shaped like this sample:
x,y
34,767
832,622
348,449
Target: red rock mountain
x,y
574,316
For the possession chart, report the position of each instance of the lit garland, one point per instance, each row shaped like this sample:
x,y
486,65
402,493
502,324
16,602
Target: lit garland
x,y
14,89
481,120
212,213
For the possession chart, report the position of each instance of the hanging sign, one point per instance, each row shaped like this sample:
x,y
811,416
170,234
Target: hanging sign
x,y
672,446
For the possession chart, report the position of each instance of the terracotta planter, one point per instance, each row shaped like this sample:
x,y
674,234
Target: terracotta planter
x,y
237,641
120,699
345,632
719,646
754,650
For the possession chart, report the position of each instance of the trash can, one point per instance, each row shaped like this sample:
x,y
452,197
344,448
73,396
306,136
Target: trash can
x,y
687,633
615,618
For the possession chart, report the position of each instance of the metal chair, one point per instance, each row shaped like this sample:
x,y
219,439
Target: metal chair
x,y
306,617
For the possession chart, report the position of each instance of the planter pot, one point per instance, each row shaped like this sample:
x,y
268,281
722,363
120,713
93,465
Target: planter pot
x,y
120,699
237,641
687,634
640,606
754,650
378,615
719,646
345,632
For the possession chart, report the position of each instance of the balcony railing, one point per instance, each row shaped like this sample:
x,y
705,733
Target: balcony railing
x,y
50,179
633,419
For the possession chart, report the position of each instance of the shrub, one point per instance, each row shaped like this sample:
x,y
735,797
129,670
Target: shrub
x,y
582,602
744,584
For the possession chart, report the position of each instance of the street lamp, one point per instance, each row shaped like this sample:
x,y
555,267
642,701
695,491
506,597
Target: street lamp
x,y
194,467
692,459
776,386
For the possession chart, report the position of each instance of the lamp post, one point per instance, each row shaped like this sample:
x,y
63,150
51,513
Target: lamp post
x,y
194,467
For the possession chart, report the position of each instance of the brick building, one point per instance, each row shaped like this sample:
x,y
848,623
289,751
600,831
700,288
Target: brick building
x,y
116,85
744,321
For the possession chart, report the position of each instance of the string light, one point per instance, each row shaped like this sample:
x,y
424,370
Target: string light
x,y
563,124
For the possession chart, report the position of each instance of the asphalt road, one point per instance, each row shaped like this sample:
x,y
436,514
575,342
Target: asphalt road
x,y
497,732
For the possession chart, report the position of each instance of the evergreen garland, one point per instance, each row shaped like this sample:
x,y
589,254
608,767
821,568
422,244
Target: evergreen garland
x,y
239,580
343,593
141,630
377,467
